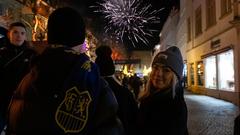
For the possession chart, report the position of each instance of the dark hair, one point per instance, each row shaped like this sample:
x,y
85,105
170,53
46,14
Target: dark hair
x,y
104,60
66,27
103,50
17,24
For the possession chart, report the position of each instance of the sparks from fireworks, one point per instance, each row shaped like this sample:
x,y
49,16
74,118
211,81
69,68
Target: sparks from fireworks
x,y
129,18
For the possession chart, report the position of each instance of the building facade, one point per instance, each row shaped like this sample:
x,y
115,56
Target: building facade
x,y
11,11
212,48
33,14
208,34
168,33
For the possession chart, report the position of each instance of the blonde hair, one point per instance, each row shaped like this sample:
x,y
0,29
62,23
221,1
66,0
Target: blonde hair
x,y
148,88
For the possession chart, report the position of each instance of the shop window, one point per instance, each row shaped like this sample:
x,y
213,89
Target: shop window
x,y
226,70
192,74
210,72
200,76
219,71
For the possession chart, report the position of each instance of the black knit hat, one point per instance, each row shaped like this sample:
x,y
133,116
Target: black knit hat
x,y
104,60
66,27
172,58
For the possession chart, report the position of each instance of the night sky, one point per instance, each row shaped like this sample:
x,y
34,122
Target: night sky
x,y
96,22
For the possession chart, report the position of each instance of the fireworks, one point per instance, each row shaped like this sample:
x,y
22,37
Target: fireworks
x,y
129,19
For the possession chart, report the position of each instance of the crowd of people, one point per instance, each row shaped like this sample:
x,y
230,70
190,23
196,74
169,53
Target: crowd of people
x,y
61,91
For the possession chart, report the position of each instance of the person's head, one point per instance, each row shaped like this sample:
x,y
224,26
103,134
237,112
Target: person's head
x,y
66,27
17,33
167,68
104,60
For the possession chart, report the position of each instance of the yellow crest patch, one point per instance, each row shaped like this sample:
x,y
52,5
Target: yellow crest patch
x,y
72,113
87,65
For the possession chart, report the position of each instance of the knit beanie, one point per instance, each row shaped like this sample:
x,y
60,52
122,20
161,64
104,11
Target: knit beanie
x,y
104,60
172,58
66,27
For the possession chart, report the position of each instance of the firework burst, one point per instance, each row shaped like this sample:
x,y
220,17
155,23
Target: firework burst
x,y
129,19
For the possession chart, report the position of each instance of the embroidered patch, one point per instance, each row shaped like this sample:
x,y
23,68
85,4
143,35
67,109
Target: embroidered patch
x,y
87,65
72,114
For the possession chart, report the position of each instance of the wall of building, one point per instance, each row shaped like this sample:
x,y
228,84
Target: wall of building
x,y
222,24
181,34
145,56
13,11
223,33
168,33
200,46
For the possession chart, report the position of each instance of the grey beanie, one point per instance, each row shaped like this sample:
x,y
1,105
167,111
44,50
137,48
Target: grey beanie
x,y
172,58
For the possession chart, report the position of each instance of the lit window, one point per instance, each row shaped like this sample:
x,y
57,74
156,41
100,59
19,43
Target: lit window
x,y
200,73
192,74
210,72
226,70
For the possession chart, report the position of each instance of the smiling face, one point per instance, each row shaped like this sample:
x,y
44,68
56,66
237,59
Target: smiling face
x,y
17,35
161,77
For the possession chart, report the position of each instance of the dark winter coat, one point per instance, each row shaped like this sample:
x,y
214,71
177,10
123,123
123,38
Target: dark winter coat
x,y
128,107
135,83
14,64
62,95
161,114
237,125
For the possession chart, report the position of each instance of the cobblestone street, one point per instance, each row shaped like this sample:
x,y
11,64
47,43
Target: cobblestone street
x,y
210,116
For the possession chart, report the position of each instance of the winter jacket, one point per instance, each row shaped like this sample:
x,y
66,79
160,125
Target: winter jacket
x,y
161,114
128,108
61,95
237,125
14,64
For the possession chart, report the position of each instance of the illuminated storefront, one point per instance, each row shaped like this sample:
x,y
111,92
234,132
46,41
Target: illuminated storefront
x,y
212,50
210,72
219,71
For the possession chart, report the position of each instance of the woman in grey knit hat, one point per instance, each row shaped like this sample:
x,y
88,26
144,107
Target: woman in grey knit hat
x,y
162,106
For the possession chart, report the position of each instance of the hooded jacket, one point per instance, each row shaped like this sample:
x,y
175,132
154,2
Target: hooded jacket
x,y
61,95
